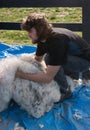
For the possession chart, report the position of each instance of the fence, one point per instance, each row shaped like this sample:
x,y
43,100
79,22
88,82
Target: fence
x,y
83,27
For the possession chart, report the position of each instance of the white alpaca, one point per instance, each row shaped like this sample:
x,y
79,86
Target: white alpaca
x,y
35,98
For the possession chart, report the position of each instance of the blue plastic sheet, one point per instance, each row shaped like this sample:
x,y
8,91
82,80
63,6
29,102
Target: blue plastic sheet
x,y
71,114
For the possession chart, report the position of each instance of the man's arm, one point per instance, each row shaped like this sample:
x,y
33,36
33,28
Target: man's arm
x,y
40,77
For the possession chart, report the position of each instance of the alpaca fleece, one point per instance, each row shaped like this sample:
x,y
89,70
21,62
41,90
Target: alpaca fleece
x,y
35,98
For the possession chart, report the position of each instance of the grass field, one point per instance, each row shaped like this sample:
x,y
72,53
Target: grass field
x,y
63,15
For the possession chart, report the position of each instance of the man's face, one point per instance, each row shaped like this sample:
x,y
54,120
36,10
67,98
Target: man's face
x,y
33,35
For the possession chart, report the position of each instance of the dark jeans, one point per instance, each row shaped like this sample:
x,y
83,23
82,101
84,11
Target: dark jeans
x,y
73,68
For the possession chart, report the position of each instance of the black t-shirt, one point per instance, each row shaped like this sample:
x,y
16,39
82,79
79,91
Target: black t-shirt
x,y
63,42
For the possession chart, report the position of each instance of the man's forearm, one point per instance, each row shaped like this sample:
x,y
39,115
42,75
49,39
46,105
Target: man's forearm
x,y
40,77
46,77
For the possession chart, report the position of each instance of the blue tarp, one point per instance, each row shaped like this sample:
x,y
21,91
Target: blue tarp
x,y
71,114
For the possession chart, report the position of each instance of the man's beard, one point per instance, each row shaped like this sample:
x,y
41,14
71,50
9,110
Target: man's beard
x,y
35,41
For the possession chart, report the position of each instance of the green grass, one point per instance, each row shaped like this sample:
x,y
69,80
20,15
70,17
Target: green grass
x,y
63,15
14,37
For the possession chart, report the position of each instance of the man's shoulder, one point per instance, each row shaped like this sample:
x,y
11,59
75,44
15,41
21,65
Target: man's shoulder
x,y
57,35
65,33
62,30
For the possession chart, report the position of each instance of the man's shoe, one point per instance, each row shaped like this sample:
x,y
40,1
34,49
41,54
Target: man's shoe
x,y
66,95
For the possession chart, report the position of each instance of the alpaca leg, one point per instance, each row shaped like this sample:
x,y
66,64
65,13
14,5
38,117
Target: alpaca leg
x,y
3,105
38,110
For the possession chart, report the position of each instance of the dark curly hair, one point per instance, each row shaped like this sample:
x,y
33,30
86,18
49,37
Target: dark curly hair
x,y
40,23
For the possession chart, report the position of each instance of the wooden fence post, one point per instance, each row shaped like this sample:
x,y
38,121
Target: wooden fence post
x,y
86,20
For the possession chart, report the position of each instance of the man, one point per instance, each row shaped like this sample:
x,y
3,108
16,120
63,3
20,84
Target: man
x,y
66,53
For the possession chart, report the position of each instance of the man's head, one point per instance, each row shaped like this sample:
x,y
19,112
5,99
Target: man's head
x,y
37,27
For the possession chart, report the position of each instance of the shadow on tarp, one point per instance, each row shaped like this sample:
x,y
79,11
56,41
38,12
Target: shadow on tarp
x,y
71,114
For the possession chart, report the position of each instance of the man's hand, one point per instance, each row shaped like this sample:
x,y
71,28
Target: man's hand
x,y
22,75
18,74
